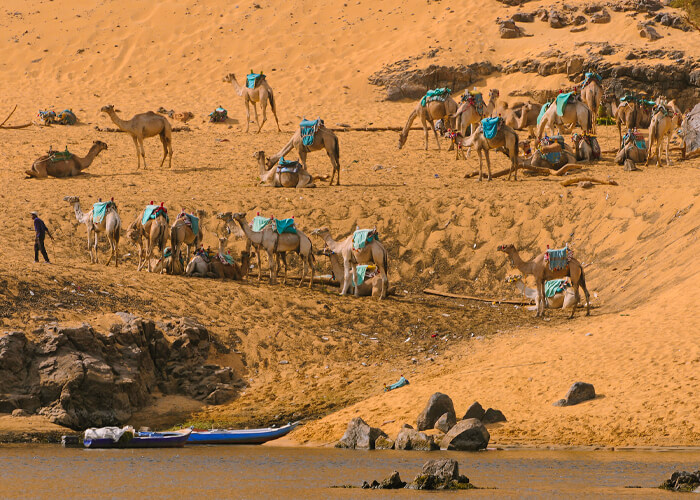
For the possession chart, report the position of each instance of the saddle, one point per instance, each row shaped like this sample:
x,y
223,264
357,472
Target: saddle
x,y
219,115
558,258
254,79
206,255
361,237
288,166
65,117
591,140
56,156
563,99
225,259
153,211
436,95
590,76
308,130
491,126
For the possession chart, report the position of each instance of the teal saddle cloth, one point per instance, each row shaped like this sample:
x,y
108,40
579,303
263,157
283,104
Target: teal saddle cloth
x,y
361,237
435,95
194,222
99,210
491,126
543,110
562,100
252,80
151,212
590,76
308,130
558,258
288,166
282,225
553,287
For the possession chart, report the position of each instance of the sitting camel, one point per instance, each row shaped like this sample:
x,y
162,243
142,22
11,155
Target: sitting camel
x,y
563,299
163,264
666,119
110,225
56,164
373,252
277,176
181,233
154,231
586,147
539,268
219,266
467,114
142,126
528,118
575,112
370,286
431,112
274,243
626,117
505,138
542,157
630,150
262,93
324,138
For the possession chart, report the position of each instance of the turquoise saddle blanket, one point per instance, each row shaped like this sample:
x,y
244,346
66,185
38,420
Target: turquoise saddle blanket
x,y
543,110
558,258
282,225
288,166
435,95
589,76
194,222
361,237
553,287
99,210
252,79
401,382
308,130
562,99
637,138
552,157
490,126
151,212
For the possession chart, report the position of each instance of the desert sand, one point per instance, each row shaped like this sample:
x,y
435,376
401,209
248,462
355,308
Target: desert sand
x,y
312,354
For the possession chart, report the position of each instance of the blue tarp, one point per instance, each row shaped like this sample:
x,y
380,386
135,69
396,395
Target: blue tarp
x,y
562,99
401,382
490,126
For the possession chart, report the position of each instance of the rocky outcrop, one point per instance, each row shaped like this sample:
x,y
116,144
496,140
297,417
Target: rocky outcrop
x,y
673,21
523,17
508,29
411,439
683,481
578,393
438,404
79,378
602,17
383,443
648,31
442,474
467,435
558,19
360,436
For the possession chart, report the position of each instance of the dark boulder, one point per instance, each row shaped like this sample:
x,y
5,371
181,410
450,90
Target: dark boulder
x,y
445,422
523,17
648,31
508,29
393,482
578,393
383,443
602,17
558,19
474,411
359,435
438,404
683,481
493,416
411,439
580,20
467,435
442,474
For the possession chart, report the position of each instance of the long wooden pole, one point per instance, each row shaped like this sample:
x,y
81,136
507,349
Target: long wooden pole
x,y
428,291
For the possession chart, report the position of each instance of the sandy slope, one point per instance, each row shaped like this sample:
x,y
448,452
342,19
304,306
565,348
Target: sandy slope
x,y
637,240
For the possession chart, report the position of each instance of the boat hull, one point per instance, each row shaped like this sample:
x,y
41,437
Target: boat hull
x,y
151,440
245,436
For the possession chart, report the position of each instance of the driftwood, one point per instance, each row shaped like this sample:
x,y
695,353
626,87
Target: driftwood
x,y
12,127
118,130
541,170
576,180
428,291
371,129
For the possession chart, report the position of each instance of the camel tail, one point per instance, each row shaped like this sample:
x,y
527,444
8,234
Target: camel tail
x,y
271,95
337,151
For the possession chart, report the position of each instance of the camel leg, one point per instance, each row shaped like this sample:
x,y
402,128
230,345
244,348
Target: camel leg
x,y
257,120
116,249
111,248
257,251
311,266
143,152
437,138
273,267
164,141
481,167
247,114
94,246
540,299
263,106
346,278
303,270
138,153
425,130
668,139
354,278
488,163
385,282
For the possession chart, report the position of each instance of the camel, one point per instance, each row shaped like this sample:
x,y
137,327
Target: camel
x,y
142,126
181,233
276,177
274,243
666,119
203,265
110,225
432,111
560,300
537,159
163,264
467,114
583,148
154,231
370,287
630,150
373,252
505,138
626,117
592,95
323,139
528,118
58,166
539,268
260,94
575,112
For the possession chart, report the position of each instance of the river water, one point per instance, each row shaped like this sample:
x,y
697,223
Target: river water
x,y
257,472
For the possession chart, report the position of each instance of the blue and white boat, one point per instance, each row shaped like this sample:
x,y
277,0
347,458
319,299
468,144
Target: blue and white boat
x,y
239,436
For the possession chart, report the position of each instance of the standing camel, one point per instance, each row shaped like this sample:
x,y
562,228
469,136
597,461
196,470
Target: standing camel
x,y
274,243
575,112
592,95
142,126
58,165
323,139
539,268
467,114
373,252
432,111
505,138
155,232
181,233
664,122
626,117
262,93
110,224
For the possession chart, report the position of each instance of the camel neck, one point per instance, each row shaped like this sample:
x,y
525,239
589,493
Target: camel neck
x,y
92,154
246,229
336,266
78,212
117,121
524,267
332,244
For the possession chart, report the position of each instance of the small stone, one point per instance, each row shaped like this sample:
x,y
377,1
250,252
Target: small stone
x,y
474,411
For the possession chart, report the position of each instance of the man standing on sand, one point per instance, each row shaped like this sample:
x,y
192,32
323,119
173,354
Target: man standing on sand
x,y
41,231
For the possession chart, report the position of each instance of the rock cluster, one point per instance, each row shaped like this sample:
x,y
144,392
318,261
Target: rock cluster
x,y
683,481
436,475
360,436
79,378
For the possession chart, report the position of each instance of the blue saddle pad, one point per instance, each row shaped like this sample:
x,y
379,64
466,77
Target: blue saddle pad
x,y
151,212
308,130
285,226
562,99
288,166
552,157
558,258
543,110
259,223
361,237
490,126
435,95
252,80
553,287
99,210
194,222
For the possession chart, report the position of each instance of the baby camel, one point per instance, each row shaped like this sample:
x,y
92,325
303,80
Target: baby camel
x,y
538,268
373,252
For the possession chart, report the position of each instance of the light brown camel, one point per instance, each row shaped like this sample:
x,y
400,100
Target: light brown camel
x,y
630,150
373,252
537,159
154,231
626,117
142,126
528,118
592,95
277,176
664,122
428,114
110,225
274,243
181,233
505,138
260,94
538,268
467,114
370,286
560,300
323,139
575,112
218,266
46,166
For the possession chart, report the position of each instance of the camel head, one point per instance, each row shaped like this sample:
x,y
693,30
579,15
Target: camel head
x,y
325,251
321,231
506,248
230,78
525,147
494,94
107,109
238,216
226,216
402,140
71,199
101,146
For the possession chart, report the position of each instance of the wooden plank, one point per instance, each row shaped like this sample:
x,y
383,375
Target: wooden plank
x,y
428,291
